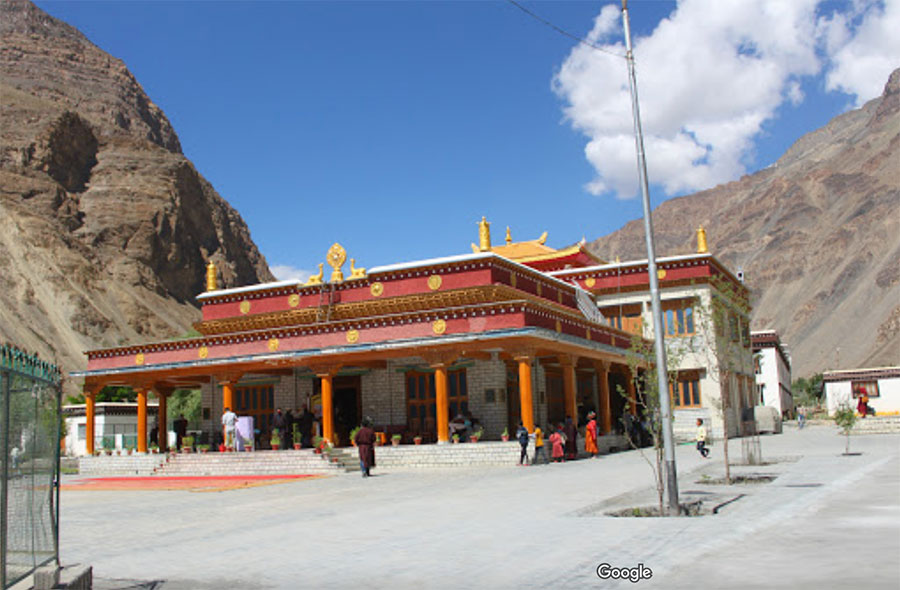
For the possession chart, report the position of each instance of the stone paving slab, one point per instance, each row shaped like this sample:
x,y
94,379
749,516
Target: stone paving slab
x,y
499,528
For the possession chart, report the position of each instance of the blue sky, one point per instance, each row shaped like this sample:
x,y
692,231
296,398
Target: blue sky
x,y
392,127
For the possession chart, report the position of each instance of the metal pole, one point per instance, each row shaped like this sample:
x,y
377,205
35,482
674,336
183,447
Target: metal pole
x,y
4,460
659,336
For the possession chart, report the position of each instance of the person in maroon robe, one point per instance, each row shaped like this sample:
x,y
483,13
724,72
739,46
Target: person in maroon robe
x,y
365,442
571,444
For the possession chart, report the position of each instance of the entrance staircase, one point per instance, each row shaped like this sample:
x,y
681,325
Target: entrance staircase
x,y
256,463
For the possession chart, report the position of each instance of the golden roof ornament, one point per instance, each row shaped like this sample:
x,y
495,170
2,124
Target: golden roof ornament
x,y
508,236
211,284
316,279
356,273
484,235
701,241
336,257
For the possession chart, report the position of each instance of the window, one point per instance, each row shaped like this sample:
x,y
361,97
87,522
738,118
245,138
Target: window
x,y
870,388
421,405
82,432
685,390
679,319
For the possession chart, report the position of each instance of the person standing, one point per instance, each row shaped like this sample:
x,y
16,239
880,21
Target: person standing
x,y
538,445
288,435
365,442
571,443
278,422
590,435
179,425
701,438
863,406
557,439
229,423
522,436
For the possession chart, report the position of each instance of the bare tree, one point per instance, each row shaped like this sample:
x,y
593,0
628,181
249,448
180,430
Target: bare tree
x,y
723,317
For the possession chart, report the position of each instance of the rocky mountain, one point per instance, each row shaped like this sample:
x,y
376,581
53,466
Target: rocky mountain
x,y
105,226
817,235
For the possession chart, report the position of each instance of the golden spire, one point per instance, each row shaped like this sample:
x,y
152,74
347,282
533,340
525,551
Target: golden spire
x,y
484,235
508,236
336,257
211,277
701,241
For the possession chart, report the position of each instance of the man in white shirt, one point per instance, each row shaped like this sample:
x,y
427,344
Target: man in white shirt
x,y
229,422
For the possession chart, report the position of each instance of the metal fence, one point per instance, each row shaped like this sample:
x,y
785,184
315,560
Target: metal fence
x,y
30,410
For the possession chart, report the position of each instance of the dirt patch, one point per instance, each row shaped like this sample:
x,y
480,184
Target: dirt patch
x,y
738,479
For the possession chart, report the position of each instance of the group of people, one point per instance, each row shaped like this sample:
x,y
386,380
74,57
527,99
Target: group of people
x,y
463,425
563,441
304,420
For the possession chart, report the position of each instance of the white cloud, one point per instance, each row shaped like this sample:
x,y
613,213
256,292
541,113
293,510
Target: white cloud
x,y
864,48
709,76
284,272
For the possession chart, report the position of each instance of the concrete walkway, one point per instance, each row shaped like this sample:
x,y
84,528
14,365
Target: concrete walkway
x,y
827,521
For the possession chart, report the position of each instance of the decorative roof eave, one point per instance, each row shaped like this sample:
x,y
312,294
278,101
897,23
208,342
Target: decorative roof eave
x,y
400,345
383,272
856,374
410,304
561,256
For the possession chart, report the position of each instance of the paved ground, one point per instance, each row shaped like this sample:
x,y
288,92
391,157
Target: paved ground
x,y
827,521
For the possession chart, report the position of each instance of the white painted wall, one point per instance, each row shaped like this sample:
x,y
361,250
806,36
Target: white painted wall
x,y
888,401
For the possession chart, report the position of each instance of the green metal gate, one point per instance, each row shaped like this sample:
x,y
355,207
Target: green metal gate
x,y
30,409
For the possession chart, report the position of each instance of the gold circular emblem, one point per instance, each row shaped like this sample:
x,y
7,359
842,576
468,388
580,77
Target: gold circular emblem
x,y
439,326
245,306
273,344
661,273
139,358
336,255
512,279
434,282
353,336
203,352
376,289
590,282
558,326
294,300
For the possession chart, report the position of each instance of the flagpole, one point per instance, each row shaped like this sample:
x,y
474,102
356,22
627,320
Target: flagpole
x,y
659,336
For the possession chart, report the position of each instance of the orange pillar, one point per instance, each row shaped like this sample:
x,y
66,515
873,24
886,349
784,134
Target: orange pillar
x,y
142,420
442,403
228,395
632,395
327,408
89,426
525,395
568,367
162,438
605,407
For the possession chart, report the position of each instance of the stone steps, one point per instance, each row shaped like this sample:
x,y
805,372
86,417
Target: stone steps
x,y
255,463
120,464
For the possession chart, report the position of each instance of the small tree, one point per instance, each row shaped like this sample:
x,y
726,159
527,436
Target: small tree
x,y
642,364
723,318
845,418
807,392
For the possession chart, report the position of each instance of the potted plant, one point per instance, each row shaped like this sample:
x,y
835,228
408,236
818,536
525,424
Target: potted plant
x,y
318,444
154,448
203,448
187,444
505,436
353,435
298,438
248,445
395,439
417,439
476,436
455,438
275,440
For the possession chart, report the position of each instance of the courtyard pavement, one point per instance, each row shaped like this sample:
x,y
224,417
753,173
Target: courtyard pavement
x,y
826,521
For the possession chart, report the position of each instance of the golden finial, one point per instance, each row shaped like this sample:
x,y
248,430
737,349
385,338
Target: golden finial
x,y
484,235
211,277
508,236
617,260
701,241
543,239
335,258
316,279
